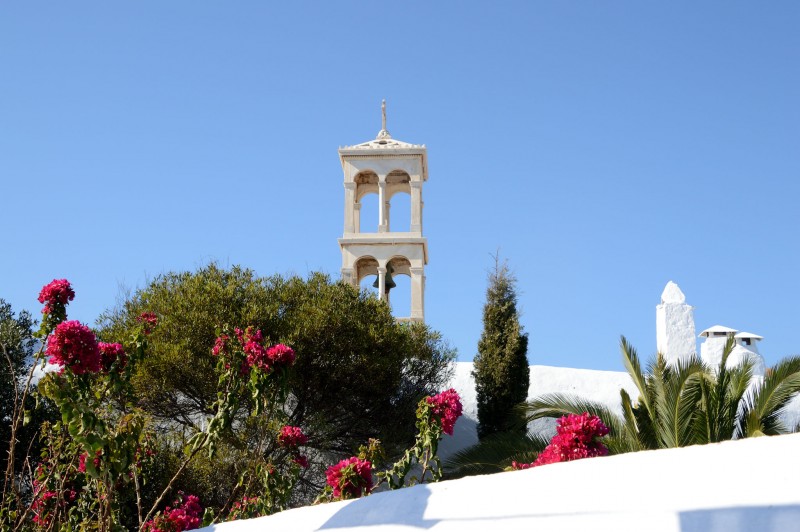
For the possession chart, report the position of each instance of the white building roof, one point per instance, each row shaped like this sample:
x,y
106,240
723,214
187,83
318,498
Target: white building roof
x,y
383,143
749,335
717,329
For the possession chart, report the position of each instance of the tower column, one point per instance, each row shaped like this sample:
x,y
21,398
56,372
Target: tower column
x,y
416,206
417,293
383,226
348,276
382,283
350,223
357,217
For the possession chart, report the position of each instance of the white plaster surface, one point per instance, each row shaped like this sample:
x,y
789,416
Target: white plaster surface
x,y
740,353
672,294
675,337
691,489
594,385
711,350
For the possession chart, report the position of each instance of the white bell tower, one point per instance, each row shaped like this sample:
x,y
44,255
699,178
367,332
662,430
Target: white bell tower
x,y
385,167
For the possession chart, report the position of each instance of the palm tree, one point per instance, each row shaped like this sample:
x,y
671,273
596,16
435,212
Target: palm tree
x,y
686,402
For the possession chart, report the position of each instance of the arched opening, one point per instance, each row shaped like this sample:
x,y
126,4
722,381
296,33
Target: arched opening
x,y
400,209
367,202
400,295
398,191
366,272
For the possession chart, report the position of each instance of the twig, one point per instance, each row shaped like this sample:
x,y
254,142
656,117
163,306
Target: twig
x,y
172,480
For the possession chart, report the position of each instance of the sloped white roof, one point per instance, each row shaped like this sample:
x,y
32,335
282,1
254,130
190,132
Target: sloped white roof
x,y
748,335
717,328
589,494
383,143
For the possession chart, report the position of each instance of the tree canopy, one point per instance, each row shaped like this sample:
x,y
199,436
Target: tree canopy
x,y
358,375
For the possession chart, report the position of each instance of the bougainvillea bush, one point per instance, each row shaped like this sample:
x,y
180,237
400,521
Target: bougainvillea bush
x,y
103,462
577,436
99,458
353,477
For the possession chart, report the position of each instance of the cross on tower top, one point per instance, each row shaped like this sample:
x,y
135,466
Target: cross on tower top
x,y
383,134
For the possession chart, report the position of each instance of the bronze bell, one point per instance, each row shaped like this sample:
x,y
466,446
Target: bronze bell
x,y
389,282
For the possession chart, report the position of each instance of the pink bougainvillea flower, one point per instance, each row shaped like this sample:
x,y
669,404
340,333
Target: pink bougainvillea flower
x,y
257,355
291,437
57,292
301,460
577,436
220,345
446,408
281,355
350,478
251,334
74,345
110,353
149,320
186,515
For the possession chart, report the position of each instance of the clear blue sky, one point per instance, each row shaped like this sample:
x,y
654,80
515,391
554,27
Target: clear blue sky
x,y
604,147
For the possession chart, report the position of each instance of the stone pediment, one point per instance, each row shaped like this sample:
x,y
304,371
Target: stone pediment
x,y
385,143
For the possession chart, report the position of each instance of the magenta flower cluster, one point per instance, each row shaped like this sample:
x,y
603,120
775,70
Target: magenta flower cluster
x,y
149,321
58,292
577,436
74,345
281,355
446,408
350,478
185,516
110,353
220,345
256,354
291,437
46,499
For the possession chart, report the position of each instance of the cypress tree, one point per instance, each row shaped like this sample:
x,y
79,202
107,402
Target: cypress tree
x,y
500,368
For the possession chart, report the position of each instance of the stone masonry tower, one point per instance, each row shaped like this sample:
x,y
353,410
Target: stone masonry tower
x,y
385,167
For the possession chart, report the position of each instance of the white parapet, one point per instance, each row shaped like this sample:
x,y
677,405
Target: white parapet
x,y
675,337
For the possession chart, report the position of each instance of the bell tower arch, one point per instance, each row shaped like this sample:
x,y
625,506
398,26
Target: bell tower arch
x,y
385,167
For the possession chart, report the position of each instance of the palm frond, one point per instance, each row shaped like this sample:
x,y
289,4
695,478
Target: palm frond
x,y
494,453
635,436
702,425
556,405
733,403
762,409
679,390
633,366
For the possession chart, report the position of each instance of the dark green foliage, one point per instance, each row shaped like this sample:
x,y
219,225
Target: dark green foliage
x,y
495,453
501,366
358,374
16,356
16,349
